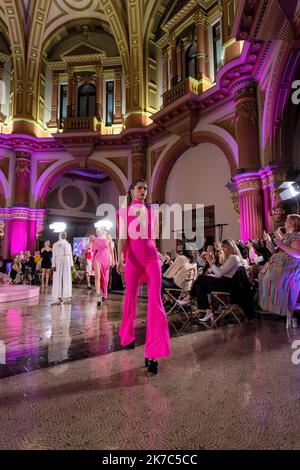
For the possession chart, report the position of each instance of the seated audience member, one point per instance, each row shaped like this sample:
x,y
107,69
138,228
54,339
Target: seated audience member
x,y
199,259
279,279
37,259
15,272
167,262
221,279
175,276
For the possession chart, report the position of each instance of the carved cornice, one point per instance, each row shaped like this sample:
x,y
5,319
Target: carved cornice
x,y
244,18
179,16
88,58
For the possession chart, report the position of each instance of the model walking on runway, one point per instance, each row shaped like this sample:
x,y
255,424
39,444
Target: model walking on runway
x,y
103,258
141,262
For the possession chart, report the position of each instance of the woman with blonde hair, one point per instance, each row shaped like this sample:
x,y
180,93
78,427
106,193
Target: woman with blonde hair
x,y
221,280
279,280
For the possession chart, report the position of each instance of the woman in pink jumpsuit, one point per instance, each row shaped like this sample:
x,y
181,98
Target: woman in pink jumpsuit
x,y
141,263
102,260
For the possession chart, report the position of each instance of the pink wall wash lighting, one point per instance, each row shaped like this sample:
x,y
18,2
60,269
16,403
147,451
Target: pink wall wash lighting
x,y
21,226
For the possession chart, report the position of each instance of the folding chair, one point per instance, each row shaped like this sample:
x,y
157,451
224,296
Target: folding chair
x,y
227,308
178,294
232,302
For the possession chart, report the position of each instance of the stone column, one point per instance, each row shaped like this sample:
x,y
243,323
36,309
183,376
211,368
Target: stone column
x,y
54,100
118,96
138,155
173,71
201,24
165,70
180,72
99,93
22,179
70,92
249,189
247,128
202,51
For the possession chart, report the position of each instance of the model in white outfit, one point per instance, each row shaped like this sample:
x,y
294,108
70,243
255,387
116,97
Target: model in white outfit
x,y
62,261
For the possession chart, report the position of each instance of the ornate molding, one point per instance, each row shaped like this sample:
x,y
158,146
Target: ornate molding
x,y
228,125
121,163
42,166
246,112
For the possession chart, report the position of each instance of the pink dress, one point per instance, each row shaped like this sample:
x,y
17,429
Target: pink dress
x,y
101,255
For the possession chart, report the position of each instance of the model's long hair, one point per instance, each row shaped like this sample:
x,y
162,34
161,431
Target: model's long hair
x,y
131,187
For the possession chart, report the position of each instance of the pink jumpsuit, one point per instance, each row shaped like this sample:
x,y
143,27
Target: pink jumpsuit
x,y
142,263
101,255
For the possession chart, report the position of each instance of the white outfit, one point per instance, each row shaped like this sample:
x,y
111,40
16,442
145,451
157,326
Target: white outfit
x,y
229,268
62,260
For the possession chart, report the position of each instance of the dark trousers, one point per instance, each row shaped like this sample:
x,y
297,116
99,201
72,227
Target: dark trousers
x,y
205,285
168,284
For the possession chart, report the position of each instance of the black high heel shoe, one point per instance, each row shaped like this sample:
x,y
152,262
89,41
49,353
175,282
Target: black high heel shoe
x,y
130,345
152,366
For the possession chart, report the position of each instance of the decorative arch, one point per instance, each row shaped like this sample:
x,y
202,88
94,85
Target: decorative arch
x,y
287,63
176,150
59,170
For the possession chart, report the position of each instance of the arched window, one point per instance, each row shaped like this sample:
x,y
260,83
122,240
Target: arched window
x,y
191,64
87,100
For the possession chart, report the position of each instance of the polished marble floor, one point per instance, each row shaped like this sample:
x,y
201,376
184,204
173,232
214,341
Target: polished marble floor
x,y
37,335
227,388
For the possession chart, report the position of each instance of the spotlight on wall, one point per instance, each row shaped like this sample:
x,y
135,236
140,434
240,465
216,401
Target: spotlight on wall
x,y
58,227
107,224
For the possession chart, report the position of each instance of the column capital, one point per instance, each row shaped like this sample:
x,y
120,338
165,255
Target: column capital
x,y
55,77
201,19
172,40
99,71
138,145
164,55
246,112
118,73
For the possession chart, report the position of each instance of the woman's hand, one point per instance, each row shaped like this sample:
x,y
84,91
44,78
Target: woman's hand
x,y
278,234
120,267
266,237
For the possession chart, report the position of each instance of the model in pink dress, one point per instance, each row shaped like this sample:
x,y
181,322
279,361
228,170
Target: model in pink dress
x,y
102,260
142,263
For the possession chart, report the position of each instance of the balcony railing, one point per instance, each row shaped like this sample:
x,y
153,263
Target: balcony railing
x,y
189,85
81,124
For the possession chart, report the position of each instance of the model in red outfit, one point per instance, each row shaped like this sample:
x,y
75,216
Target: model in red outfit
x,y
141,262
